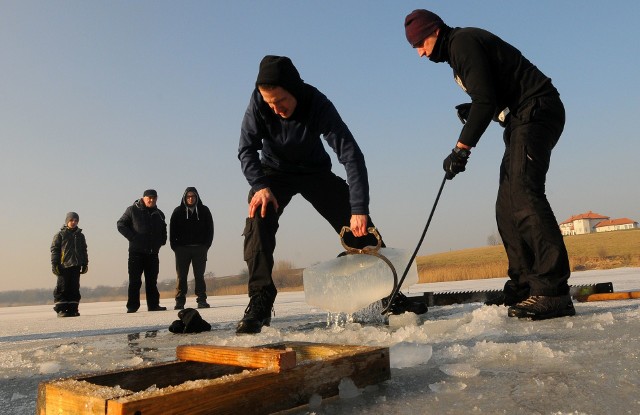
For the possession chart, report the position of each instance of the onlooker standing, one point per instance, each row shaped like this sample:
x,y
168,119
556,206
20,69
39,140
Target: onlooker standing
x,y
190,237
69,259
144,227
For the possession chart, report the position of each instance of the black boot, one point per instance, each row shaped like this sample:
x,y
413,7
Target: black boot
x,y
257,313
401,304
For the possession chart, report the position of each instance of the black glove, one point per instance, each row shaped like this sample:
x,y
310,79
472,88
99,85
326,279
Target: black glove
x,y
463,112
455,162
55,269
84,269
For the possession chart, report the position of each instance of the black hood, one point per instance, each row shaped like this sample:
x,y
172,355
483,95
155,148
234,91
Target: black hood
x,y
184,196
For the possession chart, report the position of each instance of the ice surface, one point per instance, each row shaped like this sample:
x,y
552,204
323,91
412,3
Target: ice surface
x,y
352,282
481,362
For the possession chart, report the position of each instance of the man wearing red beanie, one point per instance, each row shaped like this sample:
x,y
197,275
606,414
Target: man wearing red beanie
x,y
504,86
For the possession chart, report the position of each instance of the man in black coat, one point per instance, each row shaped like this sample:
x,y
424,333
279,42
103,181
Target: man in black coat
x,y
144,227
190,237
506,87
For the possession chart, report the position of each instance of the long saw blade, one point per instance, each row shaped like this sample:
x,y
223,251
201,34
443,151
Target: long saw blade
x,y
482,296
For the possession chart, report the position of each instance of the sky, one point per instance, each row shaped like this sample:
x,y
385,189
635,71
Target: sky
x,y
102,100
457,359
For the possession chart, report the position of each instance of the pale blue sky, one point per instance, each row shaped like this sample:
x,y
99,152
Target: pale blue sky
x,y
100,100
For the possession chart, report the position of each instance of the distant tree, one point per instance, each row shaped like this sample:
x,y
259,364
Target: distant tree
x,y
494,239
283,265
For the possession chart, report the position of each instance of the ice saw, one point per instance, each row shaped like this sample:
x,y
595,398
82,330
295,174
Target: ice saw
x,y
463,297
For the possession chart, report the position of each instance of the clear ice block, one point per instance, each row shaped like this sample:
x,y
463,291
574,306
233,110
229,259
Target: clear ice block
x,y
352,282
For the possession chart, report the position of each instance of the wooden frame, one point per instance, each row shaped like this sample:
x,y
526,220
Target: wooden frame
x,y
219,380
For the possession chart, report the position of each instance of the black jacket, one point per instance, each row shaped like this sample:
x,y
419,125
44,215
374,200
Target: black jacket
x,y
144,228
294,146
69,248
188,227
492,72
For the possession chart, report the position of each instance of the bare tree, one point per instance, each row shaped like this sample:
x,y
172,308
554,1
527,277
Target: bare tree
x,y
494,239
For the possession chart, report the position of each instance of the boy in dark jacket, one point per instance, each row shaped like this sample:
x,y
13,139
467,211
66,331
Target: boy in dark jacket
x,y
505,86
190,237
69,259
144,227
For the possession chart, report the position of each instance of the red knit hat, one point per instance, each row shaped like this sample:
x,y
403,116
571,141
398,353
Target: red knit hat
x,y
419,24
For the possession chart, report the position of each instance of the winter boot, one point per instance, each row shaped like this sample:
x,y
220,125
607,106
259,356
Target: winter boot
x,y
540,307
257,313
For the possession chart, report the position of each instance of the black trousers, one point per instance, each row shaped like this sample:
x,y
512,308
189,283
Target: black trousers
x,y
148,264
538,261
327,193
66,295
195,255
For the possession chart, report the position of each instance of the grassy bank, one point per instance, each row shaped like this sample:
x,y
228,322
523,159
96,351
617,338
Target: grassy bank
x,y
593,251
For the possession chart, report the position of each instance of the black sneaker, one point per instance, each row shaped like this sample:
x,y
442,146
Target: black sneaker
x,y
540,307
257,314
179,307
402,304
157,308
203,304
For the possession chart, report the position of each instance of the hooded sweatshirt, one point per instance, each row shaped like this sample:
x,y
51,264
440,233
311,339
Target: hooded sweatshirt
x,y
294,145
190,226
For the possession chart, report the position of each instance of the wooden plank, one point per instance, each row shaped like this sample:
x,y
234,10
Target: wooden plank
x,y
256,358
620,295
70,397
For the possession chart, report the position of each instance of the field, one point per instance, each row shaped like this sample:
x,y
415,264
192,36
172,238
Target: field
x,y
593,251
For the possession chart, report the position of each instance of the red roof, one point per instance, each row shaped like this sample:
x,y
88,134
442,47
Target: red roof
x,y
613,222
588,215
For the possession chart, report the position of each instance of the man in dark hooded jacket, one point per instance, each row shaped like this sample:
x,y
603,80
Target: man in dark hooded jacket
x,y
190,237
284,121
505,86
144,227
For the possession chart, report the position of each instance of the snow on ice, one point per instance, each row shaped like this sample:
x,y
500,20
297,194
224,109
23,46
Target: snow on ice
x,y
456,359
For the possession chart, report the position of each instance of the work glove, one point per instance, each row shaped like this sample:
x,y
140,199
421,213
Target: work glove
x,y
84,269
463,112
55,269
455,162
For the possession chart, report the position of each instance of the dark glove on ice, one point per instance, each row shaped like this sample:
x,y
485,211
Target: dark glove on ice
x,y
463,112
455,162
55,269
190,322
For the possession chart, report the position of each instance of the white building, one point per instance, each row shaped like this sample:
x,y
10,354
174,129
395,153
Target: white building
x,y
591,222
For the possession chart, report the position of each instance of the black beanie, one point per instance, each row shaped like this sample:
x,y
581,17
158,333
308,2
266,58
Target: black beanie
x,y
279,71
150,192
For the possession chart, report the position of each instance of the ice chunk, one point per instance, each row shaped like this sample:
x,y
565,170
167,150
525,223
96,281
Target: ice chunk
x,y
352,282
407,354
347,389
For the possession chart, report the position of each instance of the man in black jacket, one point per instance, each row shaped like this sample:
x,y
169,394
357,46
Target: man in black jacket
x,y
190,237
284,121
144,227
505,86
